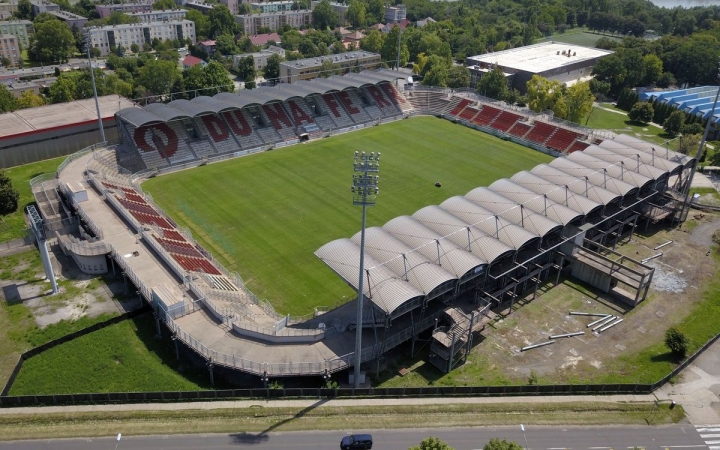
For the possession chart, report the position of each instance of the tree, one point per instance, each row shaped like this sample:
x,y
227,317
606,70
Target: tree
x,y
246,68
493,84
498,444
689,143
436,76
7,100
667,79
8,195
458,77
674,123
677,342
118,18
356,13
163,4
134,48
579,101
324,16
653,68
217,76
543,93
52,42
225,44
221,21
62,90
692,128
202,24
24,10
158,76
432,443
641,112
375,11
328,68
389,50
272,68
372,42
29,99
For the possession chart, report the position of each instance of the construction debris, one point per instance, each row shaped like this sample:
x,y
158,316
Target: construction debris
x,y
580,313
529,347
567,335
663,245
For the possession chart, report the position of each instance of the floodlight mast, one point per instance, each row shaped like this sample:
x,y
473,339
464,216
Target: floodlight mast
x,y
365,191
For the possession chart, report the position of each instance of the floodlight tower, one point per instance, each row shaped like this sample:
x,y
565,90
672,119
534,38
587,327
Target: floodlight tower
x,y
365,191
38,229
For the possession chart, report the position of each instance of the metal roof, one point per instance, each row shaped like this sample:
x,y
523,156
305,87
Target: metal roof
x,y
559,193
653,159
460,212
633,163
167,113
615,170
597,177
327,84
187,108
442,250
238,101
300,89
384,75
350,81
539,203
381,286
212,104
403,261
579,185
514,212
138,116
648,147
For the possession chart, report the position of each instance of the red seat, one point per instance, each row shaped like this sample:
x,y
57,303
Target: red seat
x,y
487,114
520,129
540,132
460,106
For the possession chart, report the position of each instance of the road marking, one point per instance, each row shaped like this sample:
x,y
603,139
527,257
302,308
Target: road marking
x,y
558,448
706,436
683,446
598,448
706,429
712,442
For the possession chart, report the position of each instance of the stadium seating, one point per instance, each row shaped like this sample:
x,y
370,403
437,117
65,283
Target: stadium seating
x,y
134,206
487,115
468,113
321,117
520,129
388,107
353,105
300,111
275,114
505,120
335,111
578,146
203,148
457,104
540,132
215,128
183,152
196,264
179,247
427,101
396,97
243,127
172,234
151,219
562,139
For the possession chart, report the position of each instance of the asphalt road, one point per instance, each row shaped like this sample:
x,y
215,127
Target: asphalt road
x,y
672,437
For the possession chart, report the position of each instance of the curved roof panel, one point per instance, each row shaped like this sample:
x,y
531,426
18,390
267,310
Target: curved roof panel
x,y
539,203
595,176
382,287
138,116
615,170
579,185
633,163
301,89
403,261
512,211
167,112
186,108
383,75
652,159
460,212
237,100
561,194
212,104
648,147
327,85
437,248
354,82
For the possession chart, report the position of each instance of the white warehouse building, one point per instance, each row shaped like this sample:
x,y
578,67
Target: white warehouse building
x,y
104,38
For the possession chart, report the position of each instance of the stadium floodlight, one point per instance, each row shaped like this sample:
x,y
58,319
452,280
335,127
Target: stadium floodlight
x,y
92,79
365,191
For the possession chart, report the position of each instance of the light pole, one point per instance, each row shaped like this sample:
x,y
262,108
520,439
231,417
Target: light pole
x,y
365,190
522,428
97,104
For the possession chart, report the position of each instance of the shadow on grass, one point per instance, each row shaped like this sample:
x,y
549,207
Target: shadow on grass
x,y
262,437
666,357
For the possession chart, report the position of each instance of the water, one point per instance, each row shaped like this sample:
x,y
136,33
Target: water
x,y
684,3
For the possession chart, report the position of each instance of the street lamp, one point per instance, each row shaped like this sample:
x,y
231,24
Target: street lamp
x,y
365,190
118,440
522,428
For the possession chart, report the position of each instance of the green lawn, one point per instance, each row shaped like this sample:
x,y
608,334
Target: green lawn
x,y
124,357
12,226
619,123
264,215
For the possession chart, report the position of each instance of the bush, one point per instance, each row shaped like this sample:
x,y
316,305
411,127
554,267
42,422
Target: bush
x,y
8,195
432,443
641,112
674,123
677,342
502,444
692,128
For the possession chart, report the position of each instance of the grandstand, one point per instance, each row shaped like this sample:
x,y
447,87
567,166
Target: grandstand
x,y
451,262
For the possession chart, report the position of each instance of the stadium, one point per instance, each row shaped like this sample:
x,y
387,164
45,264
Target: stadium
x,y
440,270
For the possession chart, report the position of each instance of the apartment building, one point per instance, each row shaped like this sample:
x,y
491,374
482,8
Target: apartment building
x,y
340,9
159,15
41,6
309,68
395,14
72,20
232,5
105,10
268,7
104,38
251,23
10,49
21,29
260,59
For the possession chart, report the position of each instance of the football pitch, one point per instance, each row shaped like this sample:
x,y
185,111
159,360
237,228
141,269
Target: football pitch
x,y
264,215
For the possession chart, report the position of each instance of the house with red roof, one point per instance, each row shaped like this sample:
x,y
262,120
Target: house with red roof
x,y
191,61
263,39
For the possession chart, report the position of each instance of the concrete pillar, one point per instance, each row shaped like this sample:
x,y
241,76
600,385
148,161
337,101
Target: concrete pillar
x,y
210,367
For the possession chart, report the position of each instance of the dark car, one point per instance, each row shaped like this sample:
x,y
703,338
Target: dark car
x,y
356,442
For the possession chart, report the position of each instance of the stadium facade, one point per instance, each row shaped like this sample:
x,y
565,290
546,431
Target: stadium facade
x,y
453,263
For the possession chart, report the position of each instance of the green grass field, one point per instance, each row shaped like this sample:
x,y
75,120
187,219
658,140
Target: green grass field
x,y
265,215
